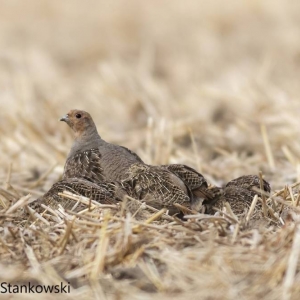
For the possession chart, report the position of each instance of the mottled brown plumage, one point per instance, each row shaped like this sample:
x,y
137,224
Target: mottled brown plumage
x,y
239,193
239,199
190,176
105,193
248,182
157,186
91,157
85,164
195,183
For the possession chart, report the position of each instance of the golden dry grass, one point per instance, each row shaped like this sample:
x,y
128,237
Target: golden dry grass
x,y
213,85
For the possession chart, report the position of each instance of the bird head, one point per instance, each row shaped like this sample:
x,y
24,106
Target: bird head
x,y
80,122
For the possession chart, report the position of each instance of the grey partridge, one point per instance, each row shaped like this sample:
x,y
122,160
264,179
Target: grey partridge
x,y
91,157
95,160
239,193
157,186
105,193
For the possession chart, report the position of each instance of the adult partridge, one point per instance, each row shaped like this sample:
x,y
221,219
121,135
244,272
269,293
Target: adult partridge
x,y
95,160
91,157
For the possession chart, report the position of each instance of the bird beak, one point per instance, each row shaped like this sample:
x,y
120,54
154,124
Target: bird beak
x,y
65,118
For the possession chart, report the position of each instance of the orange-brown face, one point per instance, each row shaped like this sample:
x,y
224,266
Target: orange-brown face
x,y
78,120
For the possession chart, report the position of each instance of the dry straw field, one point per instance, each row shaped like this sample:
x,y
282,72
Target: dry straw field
x,y
210,84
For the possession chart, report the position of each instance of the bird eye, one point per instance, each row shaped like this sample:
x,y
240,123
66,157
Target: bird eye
x,y
78,116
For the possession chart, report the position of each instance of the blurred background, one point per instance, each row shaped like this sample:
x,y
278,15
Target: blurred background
x,y
210,84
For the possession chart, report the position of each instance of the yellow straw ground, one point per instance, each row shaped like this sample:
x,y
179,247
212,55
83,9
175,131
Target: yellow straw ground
x,y
209,84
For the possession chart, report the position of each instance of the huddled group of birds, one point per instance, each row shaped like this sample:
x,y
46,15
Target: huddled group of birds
x,y
108,173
